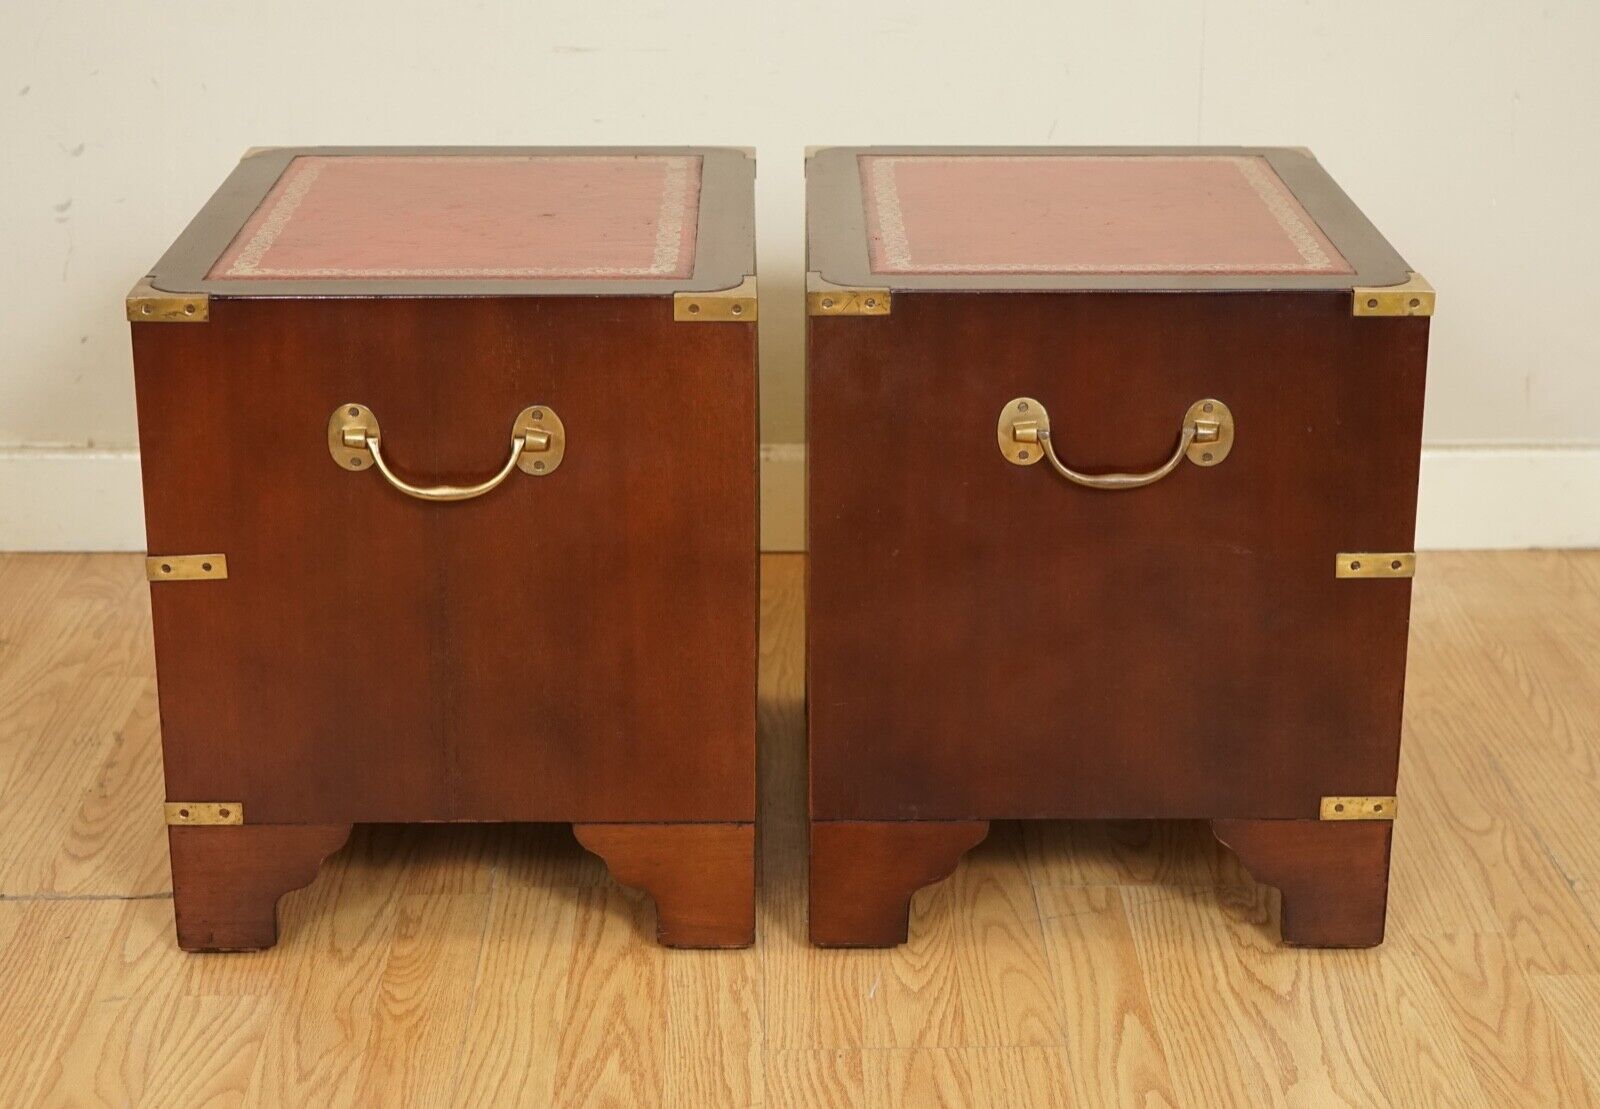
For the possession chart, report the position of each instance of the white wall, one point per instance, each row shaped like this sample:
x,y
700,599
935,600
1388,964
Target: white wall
x,y
1466,129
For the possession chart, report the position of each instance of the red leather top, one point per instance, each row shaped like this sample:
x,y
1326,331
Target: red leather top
x,y
472,217
1065,214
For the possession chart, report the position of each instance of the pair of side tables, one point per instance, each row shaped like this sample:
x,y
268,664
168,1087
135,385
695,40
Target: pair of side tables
x,y
450,471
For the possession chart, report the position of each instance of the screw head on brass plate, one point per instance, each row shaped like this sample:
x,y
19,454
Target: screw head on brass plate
x,y
1213,424
1021,422
538,418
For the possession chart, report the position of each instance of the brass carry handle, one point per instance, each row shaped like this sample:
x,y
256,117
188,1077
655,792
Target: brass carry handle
x,y
1205,439
538,443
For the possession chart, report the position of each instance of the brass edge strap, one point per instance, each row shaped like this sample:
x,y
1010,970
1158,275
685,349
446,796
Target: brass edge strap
x,y
200,813
1357,808
1374,564
195,567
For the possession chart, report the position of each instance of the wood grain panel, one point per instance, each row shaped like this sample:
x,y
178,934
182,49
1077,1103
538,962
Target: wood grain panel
x,y
509,1036
609,1050
45,793
328,987
178,1051
76,729
714,1035
816,1077
425,991
1384,1019
49,970
1113,1053
1224,1014
1574,1001
971,1076
988,641
514,657
145,1035
939,993
816,997
1508,1033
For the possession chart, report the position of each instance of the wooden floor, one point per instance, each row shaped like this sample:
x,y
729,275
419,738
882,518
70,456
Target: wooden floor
x,y
1090,964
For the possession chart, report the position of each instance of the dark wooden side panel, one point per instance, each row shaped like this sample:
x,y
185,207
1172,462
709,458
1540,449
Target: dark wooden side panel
x,y
988,641
1334,875
601,622
227,880
573,647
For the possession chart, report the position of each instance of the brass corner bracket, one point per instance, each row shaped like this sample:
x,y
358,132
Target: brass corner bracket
x,y
196,813
147,304
199,567
1375,564
736,305
824,298
1357,808
1413,297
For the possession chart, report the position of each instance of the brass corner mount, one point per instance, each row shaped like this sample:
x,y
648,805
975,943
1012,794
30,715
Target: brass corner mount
x,y
739,304
148,304
824,298
1412,297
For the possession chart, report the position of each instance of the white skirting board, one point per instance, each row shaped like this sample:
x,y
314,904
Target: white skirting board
x,y
1473,496
70,499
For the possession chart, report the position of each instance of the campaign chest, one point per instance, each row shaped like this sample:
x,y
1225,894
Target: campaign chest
x,y
1113,463
450,485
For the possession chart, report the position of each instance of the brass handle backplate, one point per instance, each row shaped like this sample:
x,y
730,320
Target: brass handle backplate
x,y
1205,438
538,443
